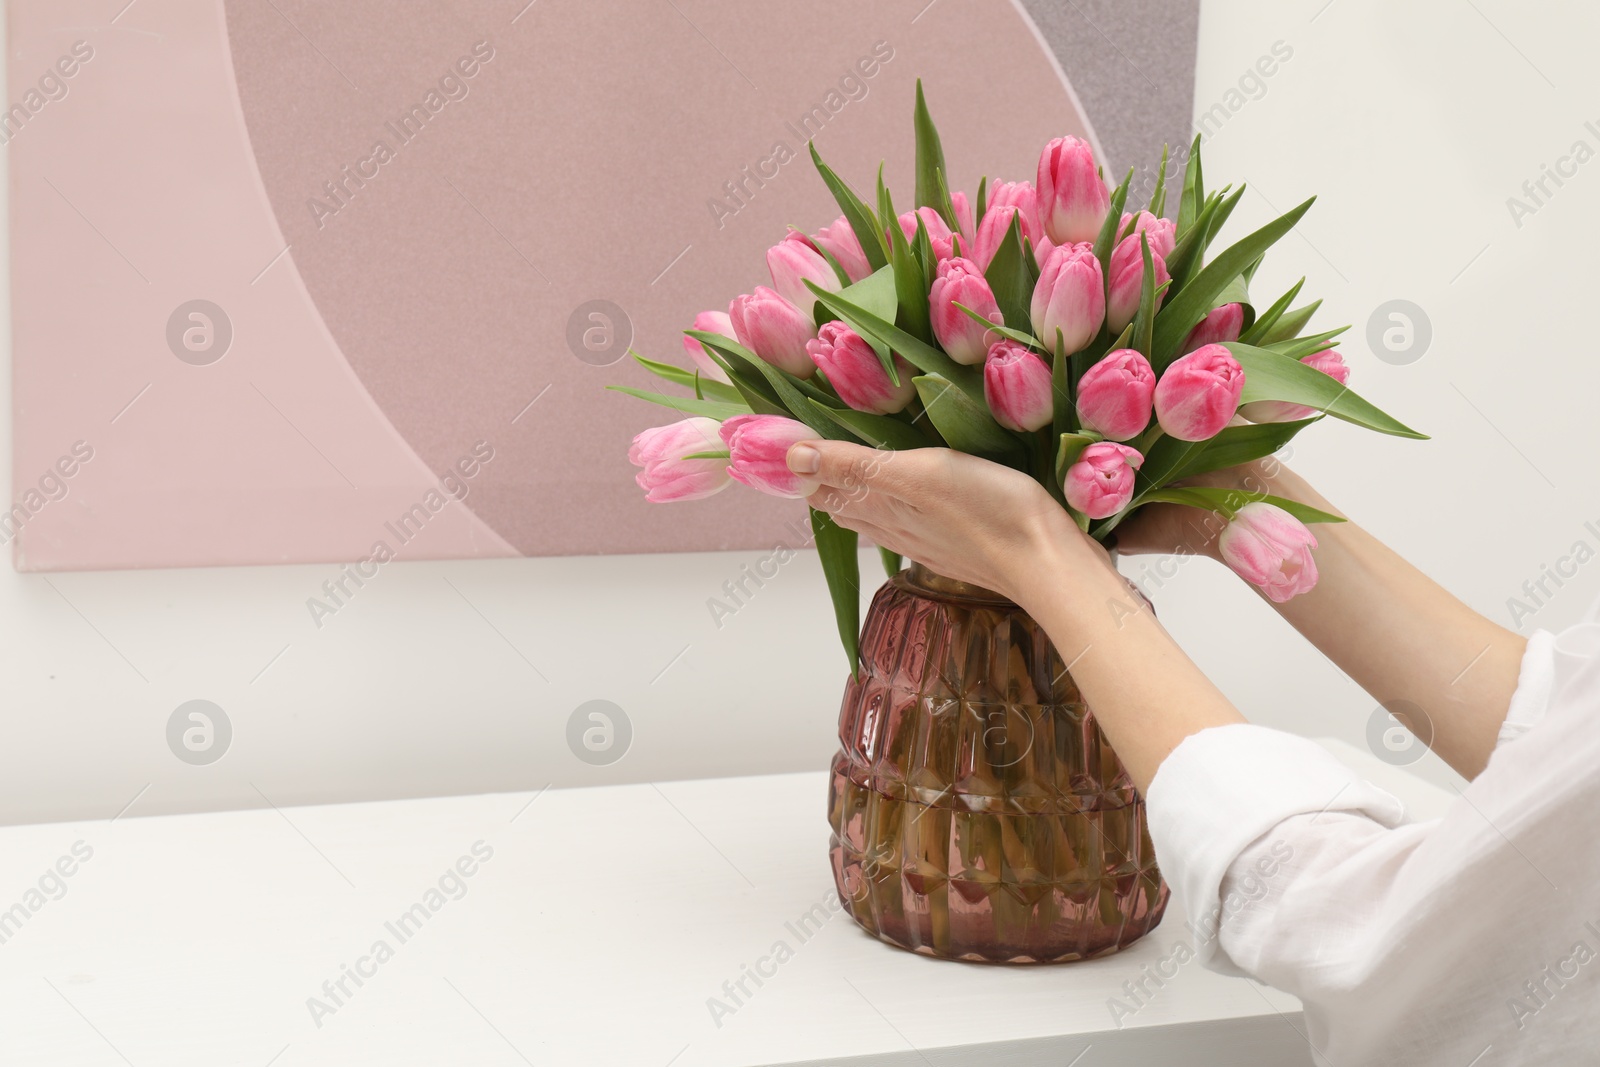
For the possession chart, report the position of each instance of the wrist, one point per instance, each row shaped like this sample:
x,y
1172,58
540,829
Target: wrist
x,y
1060,560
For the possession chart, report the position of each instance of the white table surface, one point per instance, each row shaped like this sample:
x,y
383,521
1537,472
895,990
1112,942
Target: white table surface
x,y
595,934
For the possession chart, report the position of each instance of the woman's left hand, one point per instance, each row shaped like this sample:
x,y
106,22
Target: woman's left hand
x,y
961,516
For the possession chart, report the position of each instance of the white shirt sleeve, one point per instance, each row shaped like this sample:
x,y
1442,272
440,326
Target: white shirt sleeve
x,y
1532,697
1402,939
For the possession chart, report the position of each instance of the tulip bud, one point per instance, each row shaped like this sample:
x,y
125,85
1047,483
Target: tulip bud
x,y
840,242
1100,483
1070,296
992,233
792,264
1073,199
856,373
1115,395
668,476
774,329
1328,361
708,322
939,235
1269,548
1222,324
758,447
1016,382
961,282
1022,196
1199,394
1127,282
1162,233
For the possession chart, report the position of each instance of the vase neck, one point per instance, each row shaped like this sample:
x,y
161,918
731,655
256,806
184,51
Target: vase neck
x,y
928,581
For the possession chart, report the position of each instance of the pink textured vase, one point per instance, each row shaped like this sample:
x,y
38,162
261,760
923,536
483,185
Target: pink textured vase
x,y
977,811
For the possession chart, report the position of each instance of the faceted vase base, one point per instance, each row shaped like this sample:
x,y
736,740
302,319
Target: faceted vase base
x,y
977,812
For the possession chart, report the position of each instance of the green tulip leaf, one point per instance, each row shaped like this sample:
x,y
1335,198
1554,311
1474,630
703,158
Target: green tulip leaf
x,y
1269,318
965,424
1106,241
1271,376
707,387
875,293
836,548
1158,199
1289,325
1144,320
1197,297
931,191
866,228
1238,292
1229,501
920,354
1193,196
1069,447
688,405
1020,336
1008,276
879,431
1301,347
1167,459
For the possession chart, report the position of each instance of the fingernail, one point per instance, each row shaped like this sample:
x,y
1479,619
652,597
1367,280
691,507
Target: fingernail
x,y
803,459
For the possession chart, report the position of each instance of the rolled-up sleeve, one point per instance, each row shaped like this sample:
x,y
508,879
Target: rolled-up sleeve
x,y
1534,682
1402,939
1226,789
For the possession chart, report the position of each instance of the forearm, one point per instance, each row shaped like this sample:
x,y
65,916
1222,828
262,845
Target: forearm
x,y
1146,694
1403,637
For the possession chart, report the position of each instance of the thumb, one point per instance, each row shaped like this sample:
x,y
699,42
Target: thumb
x,y
842,465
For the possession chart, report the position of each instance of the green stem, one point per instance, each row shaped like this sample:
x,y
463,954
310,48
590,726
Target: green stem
x,y
1043,456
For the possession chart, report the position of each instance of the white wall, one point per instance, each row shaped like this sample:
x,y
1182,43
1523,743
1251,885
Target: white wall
x,y
1413,122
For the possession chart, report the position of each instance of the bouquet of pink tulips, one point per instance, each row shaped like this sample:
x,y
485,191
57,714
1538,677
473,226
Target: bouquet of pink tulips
x,y
1042,326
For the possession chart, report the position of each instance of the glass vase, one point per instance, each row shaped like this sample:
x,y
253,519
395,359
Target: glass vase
x,y
977,811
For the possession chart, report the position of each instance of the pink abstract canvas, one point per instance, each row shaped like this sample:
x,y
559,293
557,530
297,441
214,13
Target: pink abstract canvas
x,y
304,280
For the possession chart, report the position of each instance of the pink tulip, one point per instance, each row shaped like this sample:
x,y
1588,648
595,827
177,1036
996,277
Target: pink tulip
x,y
1070,296
997,223
1328,361
792,264
1115,395
1269,548
1073,199
939,233
758,446
1100,483
774,329
1199,394
668,476
1222,324
855,372
961,282
1163,233
709,322
840,242
1021,195
1127,281
1016,382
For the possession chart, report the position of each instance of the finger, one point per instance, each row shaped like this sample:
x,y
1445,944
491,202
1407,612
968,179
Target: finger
x,y
876,508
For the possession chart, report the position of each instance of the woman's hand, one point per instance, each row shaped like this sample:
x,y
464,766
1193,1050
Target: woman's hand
x,y
980,522
961,516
